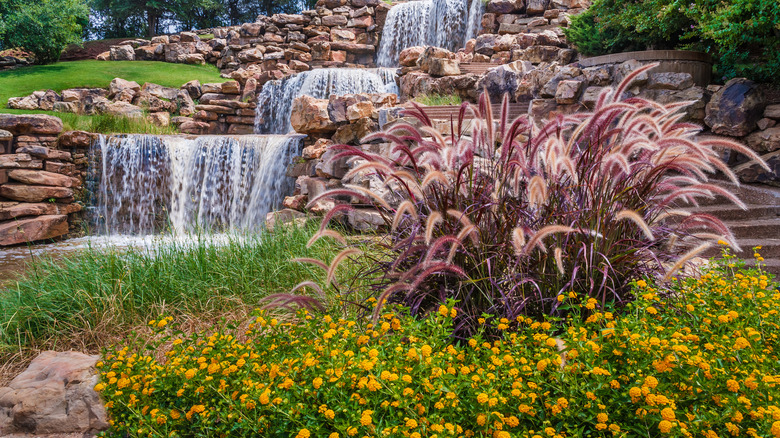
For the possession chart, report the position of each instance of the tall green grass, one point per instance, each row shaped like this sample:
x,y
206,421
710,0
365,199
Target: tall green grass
x,y
98,296
438,99
111,124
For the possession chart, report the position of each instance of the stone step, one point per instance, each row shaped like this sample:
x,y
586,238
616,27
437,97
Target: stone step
x,y
477,68
445,112
756,228
732,213
749,194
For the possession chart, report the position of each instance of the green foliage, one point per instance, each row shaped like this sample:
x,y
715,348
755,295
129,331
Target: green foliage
x,y
123,18
98,74
703,362
743,36
438,99
43,27
116,289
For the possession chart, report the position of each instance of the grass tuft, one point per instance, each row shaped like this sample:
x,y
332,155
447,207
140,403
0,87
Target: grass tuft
x,y
111,124
438,99
97,297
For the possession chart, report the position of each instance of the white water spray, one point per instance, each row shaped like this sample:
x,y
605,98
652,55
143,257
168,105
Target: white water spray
x,y
150,183
274,105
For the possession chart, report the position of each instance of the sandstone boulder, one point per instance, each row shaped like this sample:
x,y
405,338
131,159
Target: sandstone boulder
x,y
160,119
409,56
443,67
329,167
316,150
431,53
14,233
22,124
124,52
764,141
27,193
118,85
505,6
41,178
193,88
670,81
75,139
54,395
12,210
310,116
284,217
363,219
735,109
122,109
27,103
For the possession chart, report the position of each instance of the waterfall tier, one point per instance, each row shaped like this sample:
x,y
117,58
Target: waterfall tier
x,y
441,23
149,184
274,104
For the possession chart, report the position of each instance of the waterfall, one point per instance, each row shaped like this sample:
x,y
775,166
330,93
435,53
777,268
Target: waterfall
x,y
149,184
442,23
274,104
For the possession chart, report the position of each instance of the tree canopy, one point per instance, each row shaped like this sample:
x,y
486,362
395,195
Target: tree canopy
x,y
43,27
128,18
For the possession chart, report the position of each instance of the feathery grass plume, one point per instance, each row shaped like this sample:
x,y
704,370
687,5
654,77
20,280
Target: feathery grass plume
x,y
326,233
685,259
637,219
494,190
340,257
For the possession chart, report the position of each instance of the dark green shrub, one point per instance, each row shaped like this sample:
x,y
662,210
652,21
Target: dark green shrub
x,y
743,36
43,27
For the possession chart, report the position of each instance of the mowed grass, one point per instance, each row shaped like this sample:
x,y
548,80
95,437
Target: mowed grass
x,y
97,297
98,74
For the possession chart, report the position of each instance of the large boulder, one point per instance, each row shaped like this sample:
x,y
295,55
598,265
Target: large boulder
x,y
54,395
124,52
23,124
736,108
122,109
310,116
504,79
118,85
752,172
14,233
505,6
409,56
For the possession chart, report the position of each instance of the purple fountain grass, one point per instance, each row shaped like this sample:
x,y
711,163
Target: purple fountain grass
x,y
482,210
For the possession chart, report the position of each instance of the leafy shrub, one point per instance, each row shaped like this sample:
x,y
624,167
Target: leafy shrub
x,y
702,363
43,27
505,221
743,36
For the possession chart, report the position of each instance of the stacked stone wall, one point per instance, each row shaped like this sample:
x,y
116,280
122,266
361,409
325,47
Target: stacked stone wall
x,y
41,178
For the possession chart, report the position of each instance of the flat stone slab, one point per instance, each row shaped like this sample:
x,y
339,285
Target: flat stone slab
x,y
15,232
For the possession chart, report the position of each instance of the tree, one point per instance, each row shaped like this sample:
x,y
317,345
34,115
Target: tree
x,y
43,27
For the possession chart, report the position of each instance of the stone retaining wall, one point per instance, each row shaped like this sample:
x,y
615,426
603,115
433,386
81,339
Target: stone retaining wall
x,y
41,178
338,33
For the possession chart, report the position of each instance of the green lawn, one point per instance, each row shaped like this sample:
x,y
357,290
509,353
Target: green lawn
x,y
98,74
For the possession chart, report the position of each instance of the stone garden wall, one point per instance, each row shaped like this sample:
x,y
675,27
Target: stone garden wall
x,y
41,178
338,33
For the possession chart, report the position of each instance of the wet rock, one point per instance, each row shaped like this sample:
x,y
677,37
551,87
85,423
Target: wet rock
x,y
14,233
55,394
27,193
735,109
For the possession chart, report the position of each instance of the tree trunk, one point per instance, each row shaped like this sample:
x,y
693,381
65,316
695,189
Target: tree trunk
x,y
151,22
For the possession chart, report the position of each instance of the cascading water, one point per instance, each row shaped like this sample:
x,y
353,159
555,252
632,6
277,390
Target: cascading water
x,y
441,23
274,105
151,183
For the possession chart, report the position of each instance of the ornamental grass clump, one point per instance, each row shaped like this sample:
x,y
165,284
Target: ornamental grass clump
x,y
506,217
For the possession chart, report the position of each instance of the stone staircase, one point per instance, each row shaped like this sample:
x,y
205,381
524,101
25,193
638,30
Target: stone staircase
x,y
759,225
